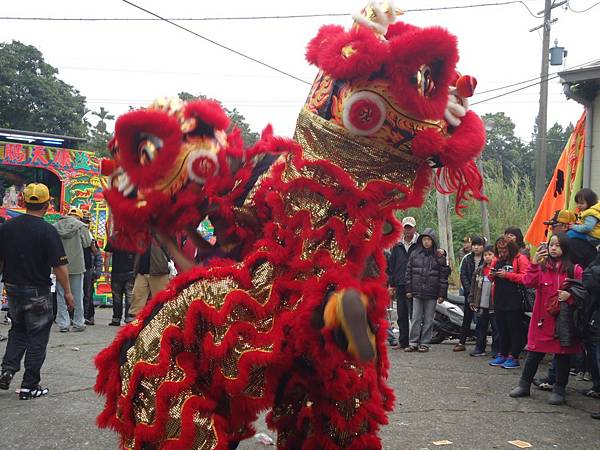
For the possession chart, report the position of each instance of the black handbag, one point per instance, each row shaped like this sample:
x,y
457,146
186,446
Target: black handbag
x,y
527,298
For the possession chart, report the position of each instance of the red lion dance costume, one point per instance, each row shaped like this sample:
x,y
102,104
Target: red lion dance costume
x,y
294,321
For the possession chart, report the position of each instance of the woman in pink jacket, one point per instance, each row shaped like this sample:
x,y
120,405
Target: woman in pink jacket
x,y
549,269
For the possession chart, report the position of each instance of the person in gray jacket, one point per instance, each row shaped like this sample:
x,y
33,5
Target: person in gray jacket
x,y
426,281
75,237
151,276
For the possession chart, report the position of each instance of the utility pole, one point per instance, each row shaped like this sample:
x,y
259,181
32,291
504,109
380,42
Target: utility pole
x,y
445,226
485,216
542,143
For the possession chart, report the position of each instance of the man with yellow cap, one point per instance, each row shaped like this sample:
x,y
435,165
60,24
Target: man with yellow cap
x,y
29,248
75,237
582,252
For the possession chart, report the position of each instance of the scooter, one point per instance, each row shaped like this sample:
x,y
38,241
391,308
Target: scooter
x,y
447,323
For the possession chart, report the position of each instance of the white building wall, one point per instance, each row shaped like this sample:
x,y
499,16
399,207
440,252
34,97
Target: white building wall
x,y
595,175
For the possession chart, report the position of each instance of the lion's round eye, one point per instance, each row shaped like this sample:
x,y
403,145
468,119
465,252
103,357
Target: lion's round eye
x,y
364,113
148,148
425,83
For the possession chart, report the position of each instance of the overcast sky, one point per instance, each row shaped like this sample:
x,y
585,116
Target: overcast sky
x,y
116,64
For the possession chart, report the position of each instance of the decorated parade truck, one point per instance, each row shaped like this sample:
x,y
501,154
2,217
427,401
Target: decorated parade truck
x,y
71,174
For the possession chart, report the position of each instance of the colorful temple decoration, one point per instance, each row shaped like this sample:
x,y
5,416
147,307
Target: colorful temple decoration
x,y
79,175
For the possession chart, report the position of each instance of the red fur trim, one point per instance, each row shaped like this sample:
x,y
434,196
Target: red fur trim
x,y
325,35
400,28
466,142
209,112
157,123
326,51
433,46
427,143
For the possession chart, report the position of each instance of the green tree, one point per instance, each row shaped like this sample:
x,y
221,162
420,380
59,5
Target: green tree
x,y
504,148
33,98
98,135
237,119
510,204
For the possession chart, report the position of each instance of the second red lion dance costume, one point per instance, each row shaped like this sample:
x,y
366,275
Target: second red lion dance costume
x,y
294,322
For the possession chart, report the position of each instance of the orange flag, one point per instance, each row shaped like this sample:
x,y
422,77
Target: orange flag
x,y
565,181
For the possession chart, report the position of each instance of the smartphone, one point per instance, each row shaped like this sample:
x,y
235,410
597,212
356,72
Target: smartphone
x,y
543,246
493,270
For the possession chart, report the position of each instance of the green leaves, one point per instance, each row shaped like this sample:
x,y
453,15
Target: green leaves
x,y
33,98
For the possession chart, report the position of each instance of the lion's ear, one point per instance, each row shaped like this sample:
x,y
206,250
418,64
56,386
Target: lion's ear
x,y
347,54
208,116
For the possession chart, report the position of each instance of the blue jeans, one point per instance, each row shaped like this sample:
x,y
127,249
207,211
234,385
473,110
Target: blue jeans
x,y
31,316
62,318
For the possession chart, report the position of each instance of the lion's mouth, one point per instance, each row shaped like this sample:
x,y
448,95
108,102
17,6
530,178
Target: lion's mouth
x,y
121,182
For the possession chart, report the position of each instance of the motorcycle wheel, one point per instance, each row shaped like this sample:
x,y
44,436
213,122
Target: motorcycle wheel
x,y
438,336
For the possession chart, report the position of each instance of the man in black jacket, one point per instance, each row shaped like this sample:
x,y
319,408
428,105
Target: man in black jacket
x,y
469,264
591,281
396,270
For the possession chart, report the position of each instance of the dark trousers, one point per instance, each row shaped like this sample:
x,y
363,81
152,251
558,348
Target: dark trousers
x,y
121,292
88,295
466,324
533,360
404,307
485,318
512,332
31,315
593,353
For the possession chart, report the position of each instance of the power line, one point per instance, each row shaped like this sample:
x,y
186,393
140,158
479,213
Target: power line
x,y
218,44
168,72
515,90
278,17
583,10
550,77
180,19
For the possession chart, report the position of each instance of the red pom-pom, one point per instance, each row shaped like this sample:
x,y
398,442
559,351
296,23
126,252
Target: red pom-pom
x,y
466,85
107,166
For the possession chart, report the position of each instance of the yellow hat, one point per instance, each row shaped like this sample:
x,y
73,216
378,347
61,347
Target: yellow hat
x,y
76,212
562,216
36,193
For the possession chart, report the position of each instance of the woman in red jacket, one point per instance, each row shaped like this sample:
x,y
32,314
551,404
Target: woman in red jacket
x,y
550,267
507,272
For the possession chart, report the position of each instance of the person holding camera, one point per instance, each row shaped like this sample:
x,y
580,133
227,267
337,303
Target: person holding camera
x,y
550,329
507,272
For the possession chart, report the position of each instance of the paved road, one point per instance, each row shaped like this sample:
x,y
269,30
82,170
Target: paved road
x,y
441,396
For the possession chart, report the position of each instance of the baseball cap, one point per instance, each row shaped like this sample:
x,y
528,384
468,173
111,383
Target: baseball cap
x,y
76,212
410,221
562,216
36,193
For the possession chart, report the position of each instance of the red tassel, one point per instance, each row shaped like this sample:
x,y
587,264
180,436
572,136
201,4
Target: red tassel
x,y
466,182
